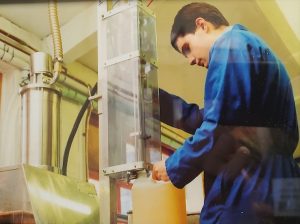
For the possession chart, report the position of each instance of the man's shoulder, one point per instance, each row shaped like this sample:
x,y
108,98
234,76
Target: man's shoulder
x,y
239,31
238,37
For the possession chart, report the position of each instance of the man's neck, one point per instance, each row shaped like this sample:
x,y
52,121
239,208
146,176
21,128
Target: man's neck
x,y
216,33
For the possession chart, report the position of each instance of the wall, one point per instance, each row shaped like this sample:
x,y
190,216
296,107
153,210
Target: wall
x,y
10,113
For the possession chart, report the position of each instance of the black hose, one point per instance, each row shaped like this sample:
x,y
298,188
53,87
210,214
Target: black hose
x,y
74,130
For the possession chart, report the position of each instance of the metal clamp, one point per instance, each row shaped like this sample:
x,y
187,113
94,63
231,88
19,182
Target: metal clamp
x,y
130,175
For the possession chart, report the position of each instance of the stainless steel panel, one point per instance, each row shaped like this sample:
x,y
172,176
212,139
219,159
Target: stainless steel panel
x,y
40,125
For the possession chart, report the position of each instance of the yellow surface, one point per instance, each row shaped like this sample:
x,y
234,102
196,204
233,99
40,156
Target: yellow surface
x,y
157,202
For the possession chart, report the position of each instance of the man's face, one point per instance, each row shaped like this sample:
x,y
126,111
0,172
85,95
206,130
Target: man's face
x,y
195,47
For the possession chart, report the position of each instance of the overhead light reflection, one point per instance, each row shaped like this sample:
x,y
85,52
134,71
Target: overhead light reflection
x,y
60,201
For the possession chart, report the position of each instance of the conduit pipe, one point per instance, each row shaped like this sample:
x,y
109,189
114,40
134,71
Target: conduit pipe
x,y
56,37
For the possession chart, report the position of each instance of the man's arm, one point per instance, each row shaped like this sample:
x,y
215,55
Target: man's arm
x,y
177,113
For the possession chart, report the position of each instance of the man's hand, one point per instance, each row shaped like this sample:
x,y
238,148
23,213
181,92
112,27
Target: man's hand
x,y
159,171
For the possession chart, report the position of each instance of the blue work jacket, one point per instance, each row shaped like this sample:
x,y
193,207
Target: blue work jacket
x,y
249,105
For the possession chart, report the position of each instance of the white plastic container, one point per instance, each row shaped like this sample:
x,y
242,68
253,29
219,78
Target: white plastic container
x,y
157,202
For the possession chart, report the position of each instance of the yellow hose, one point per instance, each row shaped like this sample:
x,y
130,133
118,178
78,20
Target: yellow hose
x,y
56,37
165,130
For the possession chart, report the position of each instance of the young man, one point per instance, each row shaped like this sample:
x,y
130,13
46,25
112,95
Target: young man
x,y
246,136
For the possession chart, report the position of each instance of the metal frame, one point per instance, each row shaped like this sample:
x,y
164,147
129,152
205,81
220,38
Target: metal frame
x,y
107,193
110,174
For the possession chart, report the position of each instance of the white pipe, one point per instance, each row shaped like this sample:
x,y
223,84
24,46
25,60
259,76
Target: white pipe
x,y
66,81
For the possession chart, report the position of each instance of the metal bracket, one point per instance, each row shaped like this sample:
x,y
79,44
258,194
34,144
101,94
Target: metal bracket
x,y
130,175
95,97
124,170
121,58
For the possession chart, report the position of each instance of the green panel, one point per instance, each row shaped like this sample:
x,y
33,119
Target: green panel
x,y
60,199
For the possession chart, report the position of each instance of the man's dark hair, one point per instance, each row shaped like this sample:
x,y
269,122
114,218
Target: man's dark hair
x,y
184,21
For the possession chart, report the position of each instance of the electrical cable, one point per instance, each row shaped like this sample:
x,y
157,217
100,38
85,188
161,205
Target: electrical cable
x,y
74,130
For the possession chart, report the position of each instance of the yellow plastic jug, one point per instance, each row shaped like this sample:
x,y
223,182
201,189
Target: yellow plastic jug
x,y
157,202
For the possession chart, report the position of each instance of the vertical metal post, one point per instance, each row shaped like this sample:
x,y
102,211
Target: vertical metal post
x,y
108,198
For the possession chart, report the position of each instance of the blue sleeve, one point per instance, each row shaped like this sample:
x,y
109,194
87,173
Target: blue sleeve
x,y
226,101
177,113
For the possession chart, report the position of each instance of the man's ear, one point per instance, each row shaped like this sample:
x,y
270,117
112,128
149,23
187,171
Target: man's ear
x,y
201,24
